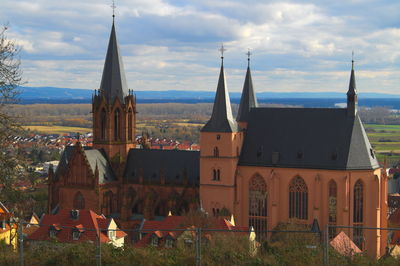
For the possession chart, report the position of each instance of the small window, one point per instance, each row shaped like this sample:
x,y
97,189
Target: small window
x,y
216,152
154,241
218,175
111,234
169,242
75,234
214,174
371,151
218,137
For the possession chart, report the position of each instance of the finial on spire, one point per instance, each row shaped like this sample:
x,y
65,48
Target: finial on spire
x,y
113,6
248,56
222,50
352,59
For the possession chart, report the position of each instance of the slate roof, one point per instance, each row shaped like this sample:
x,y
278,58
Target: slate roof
x,y
221,119
317,138
172,162
94,156
113,81
248,99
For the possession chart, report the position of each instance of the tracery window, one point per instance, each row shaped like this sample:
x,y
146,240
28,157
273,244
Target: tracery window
x,y
79,201
103,124
358,213
216,152
332,207
108,202
298,199
258,205
130,122
216,175
117,124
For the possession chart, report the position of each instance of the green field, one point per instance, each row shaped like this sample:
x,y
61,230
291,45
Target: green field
x,y
58,129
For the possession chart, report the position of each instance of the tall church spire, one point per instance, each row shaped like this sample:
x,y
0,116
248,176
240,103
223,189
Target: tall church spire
x,y
113,82
248,99
352,97
221,119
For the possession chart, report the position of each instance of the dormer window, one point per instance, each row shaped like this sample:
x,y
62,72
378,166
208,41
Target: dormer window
x,y
53,230
169,242
154,240
218,137
75,234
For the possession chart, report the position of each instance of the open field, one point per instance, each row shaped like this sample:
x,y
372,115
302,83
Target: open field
x,y
58,129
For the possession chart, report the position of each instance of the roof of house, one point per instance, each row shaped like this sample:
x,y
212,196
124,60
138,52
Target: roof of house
x,y
318,138
175,164
113,81
88,223
221,118
344,245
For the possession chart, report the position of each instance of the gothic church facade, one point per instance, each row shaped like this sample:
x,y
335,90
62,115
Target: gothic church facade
x,y
266,166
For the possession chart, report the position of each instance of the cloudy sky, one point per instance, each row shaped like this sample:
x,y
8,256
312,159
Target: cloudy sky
x,y
296,45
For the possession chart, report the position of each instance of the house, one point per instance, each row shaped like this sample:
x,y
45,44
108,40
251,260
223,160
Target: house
x,y
175,230
8,229
74,226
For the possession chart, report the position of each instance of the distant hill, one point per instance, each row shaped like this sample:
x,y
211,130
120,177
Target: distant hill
x,y
54,94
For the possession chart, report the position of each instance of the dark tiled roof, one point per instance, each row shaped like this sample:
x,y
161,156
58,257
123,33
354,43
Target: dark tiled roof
x,y
113,81
94,157
172,162
221,119
306,138
248,99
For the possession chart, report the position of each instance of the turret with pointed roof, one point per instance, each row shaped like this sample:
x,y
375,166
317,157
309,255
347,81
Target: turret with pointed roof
x,y
113,82
221,119
352,97
248,99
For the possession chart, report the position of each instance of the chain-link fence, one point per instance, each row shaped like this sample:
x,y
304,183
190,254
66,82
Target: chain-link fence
x,y
72,245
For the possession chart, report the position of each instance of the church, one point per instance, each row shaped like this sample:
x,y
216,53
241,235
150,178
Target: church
x,y
266,166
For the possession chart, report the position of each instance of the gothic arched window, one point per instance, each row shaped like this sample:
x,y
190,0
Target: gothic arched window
x,y
117,116
218,175
216,152
214,174
79,201
130,122
332,207
358,213
298,199
258,205
108,202
103,124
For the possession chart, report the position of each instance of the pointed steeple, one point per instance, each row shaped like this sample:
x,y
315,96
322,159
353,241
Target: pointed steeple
x,y
113,81
248,99
352,97
221,119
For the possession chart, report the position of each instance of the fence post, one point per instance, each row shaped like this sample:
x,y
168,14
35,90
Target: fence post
x,y
21,242
198,246
326,245
98,255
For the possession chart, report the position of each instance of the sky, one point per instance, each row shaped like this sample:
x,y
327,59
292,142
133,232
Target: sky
x,y
174,45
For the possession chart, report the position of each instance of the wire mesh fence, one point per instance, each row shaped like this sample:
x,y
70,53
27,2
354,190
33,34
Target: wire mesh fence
x,y
73,245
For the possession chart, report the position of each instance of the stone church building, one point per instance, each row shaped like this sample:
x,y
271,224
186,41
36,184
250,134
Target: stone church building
x,y
268,165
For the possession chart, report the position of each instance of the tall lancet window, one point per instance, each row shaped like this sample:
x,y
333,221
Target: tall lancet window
x,y
130,122
103,124
258,205
298,199
358,213
79,201
332,207
117,116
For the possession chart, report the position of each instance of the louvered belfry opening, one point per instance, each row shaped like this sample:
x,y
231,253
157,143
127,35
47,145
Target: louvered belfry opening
x,y
298,199
258,205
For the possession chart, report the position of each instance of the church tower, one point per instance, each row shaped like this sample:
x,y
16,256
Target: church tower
x,y
114,106
248,99
220,142
352,97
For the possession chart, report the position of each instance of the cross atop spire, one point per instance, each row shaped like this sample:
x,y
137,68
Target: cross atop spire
x,y
222,50
352,97
248,57
113,6
352,59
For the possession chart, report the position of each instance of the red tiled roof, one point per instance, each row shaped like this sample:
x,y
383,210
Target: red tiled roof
x,y
88,223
